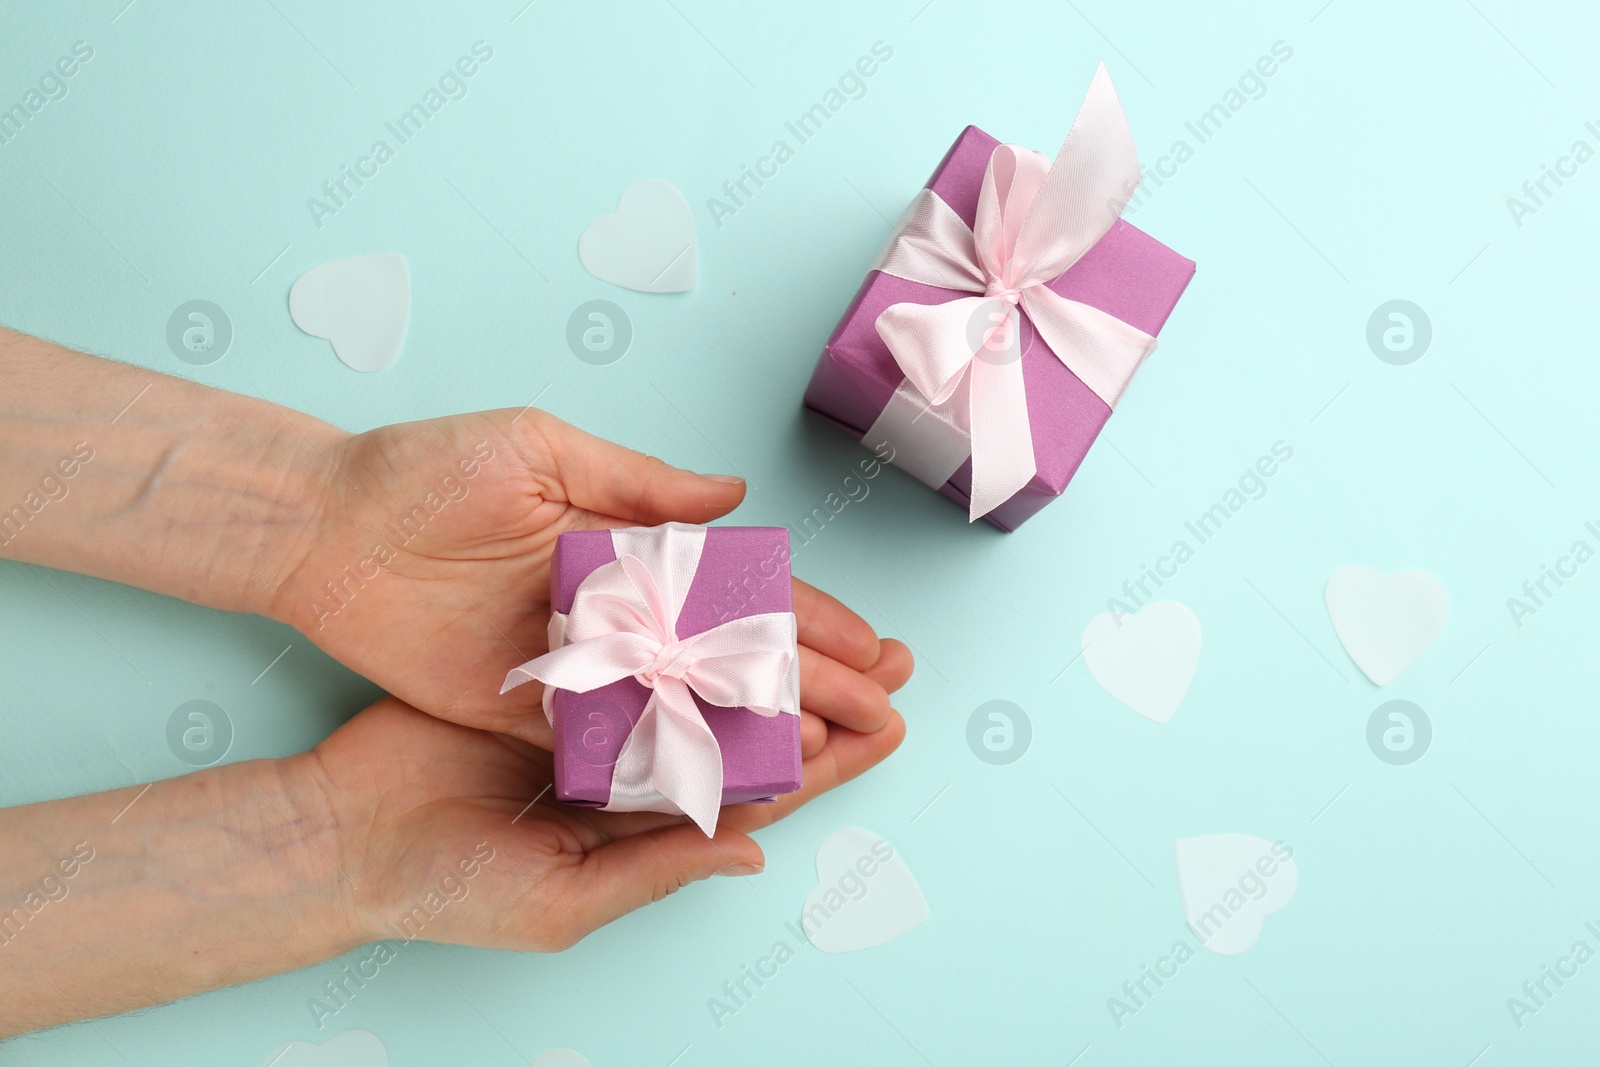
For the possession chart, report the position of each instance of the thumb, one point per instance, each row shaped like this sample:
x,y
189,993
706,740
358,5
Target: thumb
x,y
633,871
614,481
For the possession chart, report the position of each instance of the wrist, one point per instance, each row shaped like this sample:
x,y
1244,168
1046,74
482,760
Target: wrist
x,y
330,854
141,895
122,473
285,892
280,514
312,569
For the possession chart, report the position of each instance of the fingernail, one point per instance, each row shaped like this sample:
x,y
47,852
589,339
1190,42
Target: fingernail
x,y
740,869
726,479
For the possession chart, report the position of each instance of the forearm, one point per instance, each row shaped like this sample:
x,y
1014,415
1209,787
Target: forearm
x,y
118,900
122,473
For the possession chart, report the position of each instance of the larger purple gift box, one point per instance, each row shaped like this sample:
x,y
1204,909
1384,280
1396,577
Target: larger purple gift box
x,y
744,570
1128,274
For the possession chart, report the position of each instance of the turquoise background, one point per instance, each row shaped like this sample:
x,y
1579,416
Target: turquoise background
x,y
1376,166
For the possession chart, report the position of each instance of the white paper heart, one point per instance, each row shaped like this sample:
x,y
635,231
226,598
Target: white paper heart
x,y
349,1048
1229,883
648,244
865,894
1385,621
362,304
1149,660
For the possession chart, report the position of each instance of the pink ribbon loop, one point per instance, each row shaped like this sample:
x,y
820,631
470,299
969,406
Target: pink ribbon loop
x,y
623,624
1035,219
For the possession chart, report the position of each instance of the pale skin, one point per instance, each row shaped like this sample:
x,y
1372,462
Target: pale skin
x,y
252,869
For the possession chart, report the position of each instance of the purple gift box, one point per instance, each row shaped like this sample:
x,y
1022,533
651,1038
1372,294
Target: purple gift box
x,y
1128,274
744,570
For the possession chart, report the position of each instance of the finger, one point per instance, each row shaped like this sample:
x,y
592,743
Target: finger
x,y
606,478
833,629
530,725
630,872
813,734
830,689
847,754
894,666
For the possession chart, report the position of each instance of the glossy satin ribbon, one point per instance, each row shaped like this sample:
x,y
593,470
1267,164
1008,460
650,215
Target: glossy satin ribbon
x,y
963,392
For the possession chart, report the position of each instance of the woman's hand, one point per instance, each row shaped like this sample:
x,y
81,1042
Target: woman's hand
x,y
399,825
415,554
428,568
427,807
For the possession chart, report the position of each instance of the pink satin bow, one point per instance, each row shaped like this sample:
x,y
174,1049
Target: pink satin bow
x,y
963,358
624,623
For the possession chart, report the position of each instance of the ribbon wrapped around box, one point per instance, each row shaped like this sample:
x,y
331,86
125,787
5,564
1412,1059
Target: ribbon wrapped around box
x,y
1005,317
672,682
